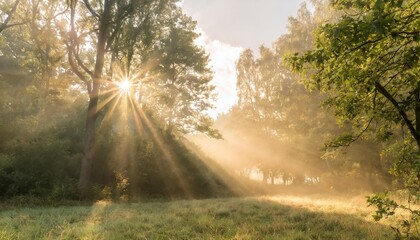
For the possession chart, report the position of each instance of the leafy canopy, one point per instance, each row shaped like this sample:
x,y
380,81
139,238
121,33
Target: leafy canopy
x,y
367,61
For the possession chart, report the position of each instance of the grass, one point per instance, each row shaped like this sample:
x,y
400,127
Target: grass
x,y
281,217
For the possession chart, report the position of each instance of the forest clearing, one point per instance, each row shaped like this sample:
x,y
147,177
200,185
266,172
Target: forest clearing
x,y
199,119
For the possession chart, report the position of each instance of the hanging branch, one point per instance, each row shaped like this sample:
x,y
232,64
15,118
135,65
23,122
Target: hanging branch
x,y
91,10
73,56
5,25
397,106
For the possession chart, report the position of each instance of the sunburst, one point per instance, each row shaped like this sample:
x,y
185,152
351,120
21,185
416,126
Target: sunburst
x,y
124,86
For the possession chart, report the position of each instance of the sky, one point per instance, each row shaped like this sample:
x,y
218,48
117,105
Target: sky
x,y
228,27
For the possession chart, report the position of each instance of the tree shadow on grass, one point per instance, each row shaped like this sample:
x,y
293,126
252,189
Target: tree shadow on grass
x,y
233,218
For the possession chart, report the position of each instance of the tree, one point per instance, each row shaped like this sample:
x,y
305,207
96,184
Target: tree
x,y
274,98
38,152
181,92
60,51
258,85
139,38
102,30
368,64
367,61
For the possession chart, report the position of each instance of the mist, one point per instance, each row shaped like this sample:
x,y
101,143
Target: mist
x,y
291,165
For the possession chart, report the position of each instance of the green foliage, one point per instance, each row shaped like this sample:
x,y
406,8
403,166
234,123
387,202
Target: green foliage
x,y
64,189
40,133
42,164
344,139
367,62
386,207
122,184
404,155
181,91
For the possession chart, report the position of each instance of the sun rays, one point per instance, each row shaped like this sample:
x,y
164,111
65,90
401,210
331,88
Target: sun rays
x,y
125,117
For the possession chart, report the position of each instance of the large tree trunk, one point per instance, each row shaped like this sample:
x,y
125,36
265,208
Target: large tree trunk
x,y
87,161
86,167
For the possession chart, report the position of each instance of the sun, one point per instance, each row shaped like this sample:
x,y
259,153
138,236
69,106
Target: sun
x,y
124,86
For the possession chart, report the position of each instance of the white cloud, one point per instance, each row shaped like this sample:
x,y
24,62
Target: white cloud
x,y
223,58
245,23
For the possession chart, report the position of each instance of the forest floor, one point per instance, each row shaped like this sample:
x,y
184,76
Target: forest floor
x,y
270,217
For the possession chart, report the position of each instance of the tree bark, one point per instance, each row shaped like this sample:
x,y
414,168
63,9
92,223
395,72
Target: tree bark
x,y
417,120
417,115
86,167
90,135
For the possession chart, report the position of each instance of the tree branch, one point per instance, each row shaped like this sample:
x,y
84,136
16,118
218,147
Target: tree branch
x,y
347,140
397,106
80,62
76,70
5,25
71,49
366,43
91,10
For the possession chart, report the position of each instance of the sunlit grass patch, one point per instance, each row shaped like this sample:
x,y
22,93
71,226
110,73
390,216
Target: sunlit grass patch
x,y
344,204
235,218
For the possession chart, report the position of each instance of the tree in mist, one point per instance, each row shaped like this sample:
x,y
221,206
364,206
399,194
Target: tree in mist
x,y
47,50
182,88
258,84
32,57
274,98
38,151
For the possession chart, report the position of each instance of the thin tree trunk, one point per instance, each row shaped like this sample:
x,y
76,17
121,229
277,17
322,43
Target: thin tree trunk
x,y
417,114
265,177
417,120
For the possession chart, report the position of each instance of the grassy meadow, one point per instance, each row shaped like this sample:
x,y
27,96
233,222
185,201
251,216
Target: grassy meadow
x,y
277,217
